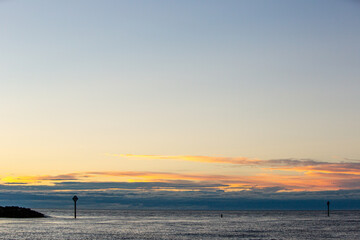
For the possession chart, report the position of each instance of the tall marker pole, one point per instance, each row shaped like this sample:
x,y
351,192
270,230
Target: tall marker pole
x,y
75,198
328,204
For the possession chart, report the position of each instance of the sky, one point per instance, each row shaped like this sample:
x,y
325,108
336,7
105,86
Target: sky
x,y
180,104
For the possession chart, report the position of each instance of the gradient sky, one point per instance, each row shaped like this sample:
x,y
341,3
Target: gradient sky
x,y
228,96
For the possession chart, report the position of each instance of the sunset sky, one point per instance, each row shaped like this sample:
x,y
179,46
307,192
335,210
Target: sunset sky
x,y
165,99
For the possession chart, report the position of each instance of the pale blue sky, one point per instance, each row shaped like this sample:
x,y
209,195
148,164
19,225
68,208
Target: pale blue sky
x,y
258,79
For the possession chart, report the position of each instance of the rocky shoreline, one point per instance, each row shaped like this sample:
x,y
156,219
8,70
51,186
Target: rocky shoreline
x,y
19,212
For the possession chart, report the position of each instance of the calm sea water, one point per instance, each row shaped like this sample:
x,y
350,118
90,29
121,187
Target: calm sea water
x,y
120,224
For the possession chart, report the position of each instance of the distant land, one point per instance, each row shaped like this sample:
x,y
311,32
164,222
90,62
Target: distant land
x,y
19,212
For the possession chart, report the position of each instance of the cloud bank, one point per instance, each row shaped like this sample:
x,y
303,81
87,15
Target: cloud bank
x,y
124,195
299,181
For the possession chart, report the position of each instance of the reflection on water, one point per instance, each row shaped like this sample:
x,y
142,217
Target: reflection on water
x,y
122,224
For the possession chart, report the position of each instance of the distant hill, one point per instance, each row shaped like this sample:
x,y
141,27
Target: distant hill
x,y
19,212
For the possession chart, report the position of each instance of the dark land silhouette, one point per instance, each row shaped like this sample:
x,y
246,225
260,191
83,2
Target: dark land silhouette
x,y
19,212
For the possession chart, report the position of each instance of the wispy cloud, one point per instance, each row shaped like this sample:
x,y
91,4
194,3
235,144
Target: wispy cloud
x,y
290,174
227,160
298,165
350,168
40,179
230,160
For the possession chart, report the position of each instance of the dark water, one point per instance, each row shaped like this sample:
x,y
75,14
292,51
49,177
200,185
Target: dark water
x,y
120,224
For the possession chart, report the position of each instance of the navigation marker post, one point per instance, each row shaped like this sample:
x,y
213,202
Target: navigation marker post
x,y
75,198
328,204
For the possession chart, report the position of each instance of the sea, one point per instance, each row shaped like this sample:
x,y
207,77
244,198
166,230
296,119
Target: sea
x,y
165,224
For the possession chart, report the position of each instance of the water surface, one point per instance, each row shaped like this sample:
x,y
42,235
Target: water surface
x,y
138,224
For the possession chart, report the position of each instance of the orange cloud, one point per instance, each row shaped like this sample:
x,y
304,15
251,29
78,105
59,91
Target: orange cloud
x,y
305,166
40,179
307,182
230,160
326,168
310,175
286,174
